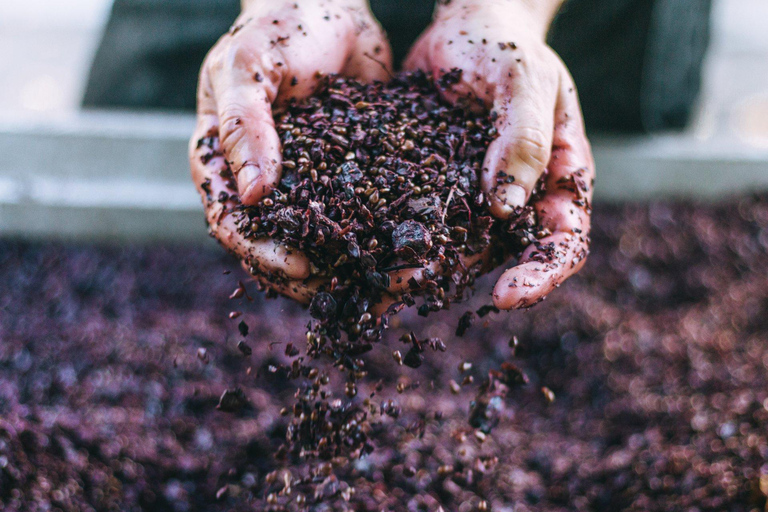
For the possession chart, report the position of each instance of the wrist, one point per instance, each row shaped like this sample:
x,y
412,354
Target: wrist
x,y
247,5
544,10
537,15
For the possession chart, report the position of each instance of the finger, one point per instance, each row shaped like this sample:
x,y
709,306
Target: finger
x,y
211,176
303,291
204,143
266,254
543,268
299,290
566,207
206,158
246,82
518,157
272,256
410,279
564,210
413,279
248,136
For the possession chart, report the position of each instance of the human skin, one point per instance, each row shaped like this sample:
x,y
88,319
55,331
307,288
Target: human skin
x,y
275,51
499,45
507,66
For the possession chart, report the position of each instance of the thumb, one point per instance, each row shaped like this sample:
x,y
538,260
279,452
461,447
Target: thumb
x,y
517,158
249,139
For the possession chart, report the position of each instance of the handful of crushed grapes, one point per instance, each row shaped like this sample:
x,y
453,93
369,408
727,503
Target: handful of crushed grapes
x,y
379,178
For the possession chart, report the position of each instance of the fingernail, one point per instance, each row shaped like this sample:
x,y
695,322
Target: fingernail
x,y
511,194
246,175
247,180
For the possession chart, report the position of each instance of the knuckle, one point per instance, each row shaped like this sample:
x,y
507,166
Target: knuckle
x,y
214,61
533,147
230,55
232,130
234,56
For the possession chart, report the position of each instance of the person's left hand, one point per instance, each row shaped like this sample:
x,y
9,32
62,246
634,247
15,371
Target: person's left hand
x,y
508,67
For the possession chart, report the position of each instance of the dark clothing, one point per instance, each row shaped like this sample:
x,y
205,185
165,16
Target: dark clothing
x,y
151,52
637,63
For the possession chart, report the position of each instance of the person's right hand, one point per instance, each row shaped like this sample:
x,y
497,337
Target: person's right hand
x,y
276,50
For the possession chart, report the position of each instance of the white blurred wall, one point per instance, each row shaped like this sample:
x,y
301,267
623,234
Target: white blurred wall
x,y
83,14
45,51
735,97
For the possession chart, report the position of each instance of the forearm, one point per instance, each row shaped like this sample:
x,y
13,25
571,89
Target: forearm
x,y
540,13
251,4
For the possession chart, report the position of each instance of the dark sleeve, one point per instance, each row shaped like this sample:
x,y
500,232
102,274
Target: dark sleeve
x,y
403,22
637,63
151,51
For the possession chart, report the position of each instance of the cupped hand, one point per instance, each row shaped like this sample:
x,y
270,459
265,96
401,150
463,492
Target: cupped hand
x,y
507,67
276,50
